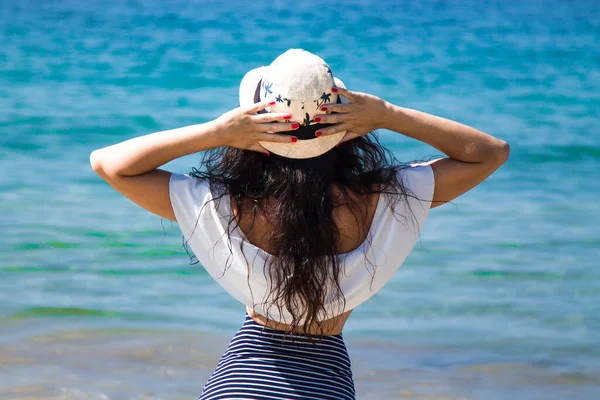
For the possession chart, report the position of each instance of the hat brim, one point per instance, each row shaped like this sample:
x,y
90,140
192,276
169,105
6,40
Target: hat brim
x,y
302,148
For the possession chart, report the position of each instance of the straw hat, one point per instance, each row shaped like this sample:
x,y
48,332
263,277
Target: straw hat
x,y
298,82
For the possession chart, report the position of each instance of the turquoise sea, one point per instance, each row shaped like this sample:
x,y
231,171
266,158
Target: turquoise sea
x,y
501,297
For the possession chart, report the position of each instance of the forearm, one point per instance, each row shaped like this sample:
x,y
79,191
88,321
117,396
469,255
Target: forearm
x,y
146,153
458,141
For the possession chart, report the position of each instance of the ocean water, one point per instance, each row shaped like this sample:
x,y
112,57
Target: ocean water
x,y
500,299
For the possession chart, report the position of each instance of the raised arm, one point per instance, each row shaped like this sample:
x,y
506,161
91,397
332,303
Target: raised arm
x,y
472,154
130,167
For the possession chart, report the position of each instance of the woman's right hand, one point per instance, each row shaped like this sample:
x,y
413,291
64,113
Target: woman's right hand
x,y
243,128
363,114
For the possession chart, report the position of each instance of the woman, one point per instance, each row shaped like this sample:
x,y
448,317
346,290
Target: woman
x,y
299,213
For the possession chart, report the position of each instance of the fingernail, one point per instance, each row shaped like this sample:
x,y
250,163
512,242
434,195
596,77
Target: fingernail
x,y
317,119
272,103
295,126
334,89
267,154
294,139
287,117
323,108
318,133
339,144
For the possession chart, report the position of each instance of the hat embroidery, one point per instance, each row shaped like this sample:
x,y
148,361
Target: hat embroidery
x,y
325,97
267,88
307,120
279,99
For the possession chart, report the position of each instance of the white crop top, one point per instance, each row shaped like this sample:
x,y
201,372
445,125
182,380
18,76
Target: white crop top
x,y
367,269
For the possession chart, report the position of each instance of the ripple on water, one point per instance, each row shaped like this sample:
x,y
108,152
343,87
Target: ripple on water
x,y
515,275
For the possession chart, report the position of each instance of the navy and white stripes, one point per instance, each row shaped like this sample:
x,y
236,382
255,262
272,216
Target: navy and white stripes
x,y
264,363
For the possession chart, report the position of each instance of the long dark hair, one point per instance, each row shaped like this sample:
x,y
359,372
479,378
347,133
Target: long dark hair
x,y
304,267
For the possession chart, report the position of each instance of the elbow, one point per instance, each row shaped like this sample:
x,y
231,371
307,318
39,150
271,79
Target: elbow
x,y
499,152
503,151
96,161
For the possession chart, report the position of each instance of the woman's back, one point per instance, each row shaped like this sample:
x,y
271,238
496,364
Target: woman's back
x,y
352,215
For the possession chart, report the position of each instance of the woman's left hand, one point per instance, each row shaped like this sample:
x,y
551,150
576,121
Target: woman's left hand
x,y
243,128
363,114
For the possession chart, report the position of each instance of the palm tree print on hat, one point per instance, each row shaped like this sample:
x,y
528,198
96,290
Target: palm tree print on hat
x,y
279,99
325,98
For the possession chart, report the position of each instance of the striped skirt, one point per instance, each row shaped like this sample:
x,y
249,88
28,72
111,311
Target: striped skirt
x,y
263,363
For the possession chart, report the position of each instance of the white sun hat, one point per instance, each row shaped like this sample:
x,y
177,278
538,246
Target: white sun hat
x,y
299,83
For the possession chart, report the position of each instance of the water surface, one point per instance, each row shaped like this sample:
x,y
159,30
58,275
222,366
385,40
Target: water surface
x,y
500,298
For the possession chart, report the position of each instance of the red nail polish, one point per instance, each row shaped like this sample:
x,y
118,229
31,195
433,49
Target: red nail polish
x,y
294,139
318,133
287,117
317,119
272,103
339,144
267,154
323,108
295,126
334,89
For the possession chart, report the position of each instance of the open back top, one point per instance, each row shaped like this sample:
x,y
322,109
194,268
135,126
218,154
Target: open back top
x,y
239,266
